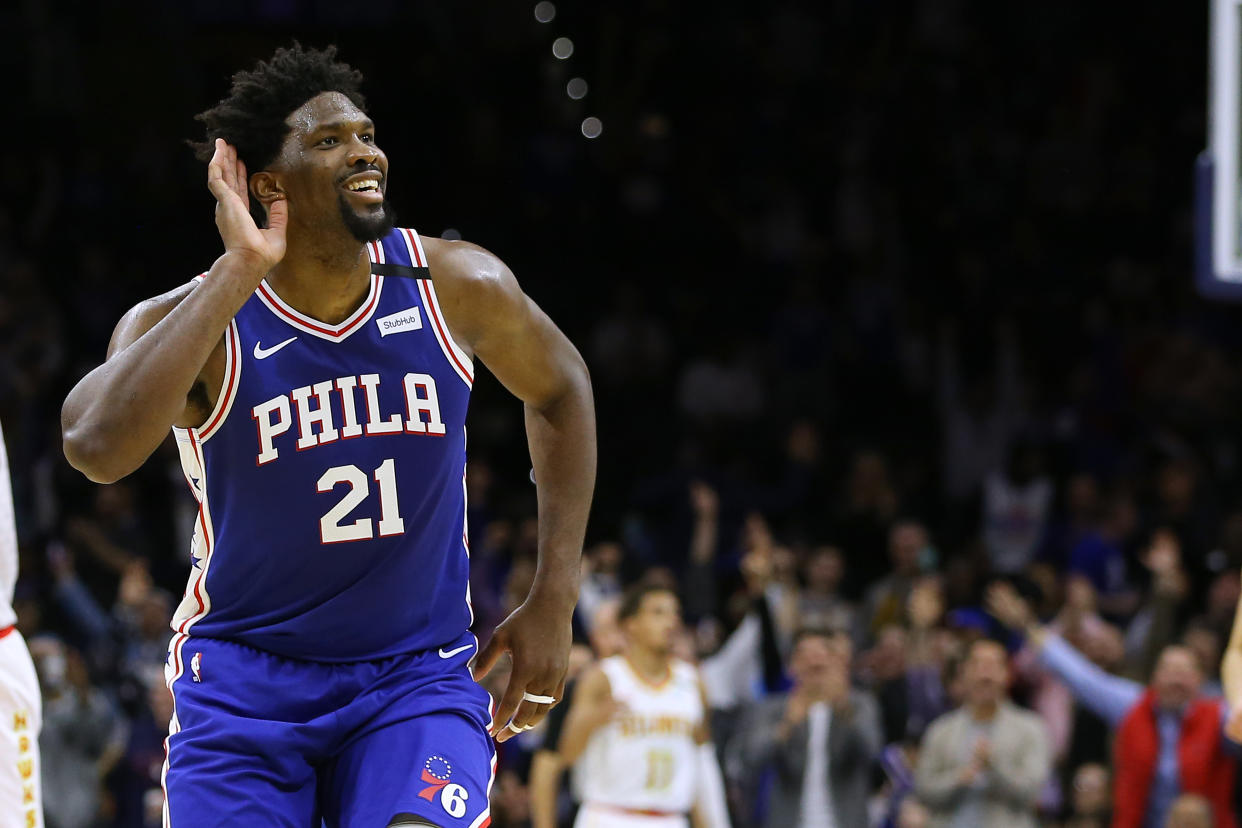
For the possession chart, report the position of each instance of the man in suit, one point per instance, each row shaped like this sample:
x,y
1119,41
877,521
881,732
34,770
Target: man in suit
x,y
819,740
984,763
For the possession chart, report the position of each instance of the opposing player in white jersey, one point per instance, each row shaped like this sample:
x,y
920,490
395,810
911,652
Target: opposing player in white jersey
x,y
638,729
21,710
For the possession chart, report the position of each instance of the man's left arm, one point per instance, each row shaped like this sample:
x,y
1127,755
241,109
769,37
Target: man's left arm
x,y
488,313
711,809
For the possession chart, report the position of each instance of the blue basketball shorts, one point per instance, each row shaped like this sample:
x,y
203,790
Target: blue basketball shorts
x,y
257,739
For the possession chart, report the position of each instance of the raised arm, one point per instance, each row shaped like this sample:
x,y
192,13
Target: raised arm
x,y
1107,696
160,351
491,317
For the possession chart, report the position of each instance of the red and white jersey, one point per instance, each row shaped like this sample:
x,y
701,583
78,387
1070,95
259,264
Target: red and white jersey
x,y
645,758
8,542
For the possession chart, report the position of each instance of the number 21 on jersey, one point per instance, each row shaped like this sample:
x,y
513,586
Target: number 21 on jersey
x,y
332,530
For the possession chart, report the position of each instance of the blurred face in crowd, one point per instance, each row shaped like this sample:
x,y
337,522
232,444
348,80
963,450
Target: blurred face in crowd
x,y
824,570
1205,644
656,623
1104,645
985,675
606,557
1190,811
888,657
1177,486
905,542
606,636
1177,678
817,658
1223,594
1091,790
1082,497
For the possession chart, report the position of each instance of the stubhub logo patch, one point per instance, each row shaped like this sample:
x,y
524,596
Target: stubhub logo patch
x,y
407,320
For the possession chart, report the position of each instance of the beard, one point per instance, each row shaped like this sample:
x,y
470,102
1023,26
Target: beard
x,y
370,226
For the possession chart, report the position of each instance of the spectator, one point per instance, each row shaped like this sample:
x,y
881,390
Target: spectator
x,y
819,740
984,764
1017,502
1169,737
1190,811
83,737
885,603
1090,798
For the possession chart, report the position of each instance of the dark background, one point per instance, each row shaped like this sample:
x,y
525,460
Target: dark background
x,y
800,223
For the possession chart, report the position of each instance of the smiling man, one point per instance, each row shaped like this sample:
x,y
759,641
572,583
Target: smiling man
x,y
317,379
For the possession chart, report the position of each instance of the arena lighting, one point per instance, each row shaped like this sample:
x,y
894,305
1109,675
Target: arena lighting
x,y
562,47
592,127
545,12
576,88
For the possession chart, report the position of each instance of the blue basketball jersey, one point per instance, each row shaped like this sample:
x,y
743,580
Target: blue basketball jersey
x,y
330,476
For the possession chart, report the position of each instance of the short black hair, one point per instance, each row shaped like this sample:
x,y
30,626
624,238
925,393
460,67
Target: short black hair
x,y
252,117
632,599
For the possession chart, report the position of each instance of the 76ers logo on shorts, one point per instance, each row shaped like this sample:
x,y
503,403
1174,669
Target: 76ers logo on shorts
x,y
437,771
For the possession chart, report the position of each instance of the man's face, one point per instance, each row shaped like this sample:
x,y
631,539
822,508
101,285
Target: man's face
x,y
656,622
986,673
904,545
818,658
331,170
1091,790
1176,678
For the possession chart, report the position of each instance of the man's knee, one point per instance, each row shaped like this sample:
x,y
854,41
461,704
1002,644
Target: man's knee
x,y
410,821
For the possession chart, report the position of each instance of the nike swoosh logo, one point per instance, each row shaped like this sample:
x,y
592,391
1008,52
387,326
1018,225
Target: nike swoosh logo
x,y
263,353
450,653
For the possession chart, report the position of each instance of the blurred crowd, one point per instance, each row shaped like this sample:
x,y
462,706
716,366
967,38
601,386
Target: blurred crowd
x,y
902,383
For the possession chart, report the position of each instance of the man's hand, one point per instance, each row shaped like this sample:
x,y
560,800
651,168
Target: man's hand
x,y
228,182
796,710
537,636
1008,607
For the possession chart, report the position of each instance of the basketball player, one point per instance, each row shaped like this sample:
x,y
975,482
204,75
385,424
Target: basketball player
x,y
638,729
21,705
317,378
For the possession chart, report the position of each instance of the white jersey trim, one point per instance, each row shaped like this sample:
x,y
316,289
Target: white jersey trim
x,y
197,602
228,388
332,333
461,364
172,671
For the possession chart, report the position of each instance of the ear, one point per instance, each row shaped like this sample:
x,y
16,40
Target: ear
x,y
265,187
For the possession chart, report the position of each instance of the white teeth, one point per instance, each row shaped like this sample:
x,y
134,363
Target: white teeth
x,y
367,184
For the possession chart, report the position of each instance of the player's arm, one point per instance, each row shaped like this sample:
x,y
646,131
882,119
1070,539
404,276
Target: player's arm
x,y
489,314
1231,678
120,412
711,808
592,708
545,779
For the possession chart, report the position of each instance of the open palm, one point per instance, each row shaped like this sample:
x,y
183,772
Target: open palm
x,y
228,182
